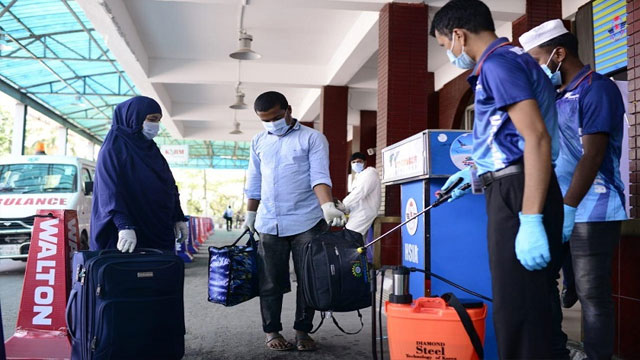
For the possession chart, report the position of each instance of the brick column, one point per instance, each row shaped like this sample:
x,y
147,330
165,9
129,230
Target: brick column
x,y
307,123
453,99
404,91
404,85
355,139
333,124
537,12
368,124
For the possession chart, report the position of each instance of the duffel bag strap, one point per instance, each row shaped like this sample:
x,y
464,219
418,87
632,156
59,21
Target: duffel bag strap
x,y
453,301
347,332
322,317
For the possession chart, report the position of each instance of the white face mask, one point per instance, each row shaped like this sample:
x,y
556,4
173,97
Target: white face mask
x,y
150,129
357,167
278,127
556,77
463,61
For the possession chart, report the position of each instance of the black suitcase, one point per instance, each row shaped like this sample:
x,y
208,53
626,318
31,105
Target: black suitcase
x,y
335,276
126,306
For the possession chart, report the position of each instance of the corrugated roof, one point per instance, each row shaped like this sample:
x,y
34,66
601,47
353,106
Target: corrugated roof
x,y
58,59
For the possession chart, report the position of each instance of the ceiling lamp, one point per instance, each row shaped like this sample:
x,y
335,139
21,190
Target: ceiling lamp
x,y
3,41
244,52
236,128
239,104
236,125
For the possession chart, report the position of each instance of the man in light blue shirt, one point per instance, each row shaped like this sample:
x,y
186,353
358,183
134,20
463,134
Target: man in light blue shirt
x,y
289,202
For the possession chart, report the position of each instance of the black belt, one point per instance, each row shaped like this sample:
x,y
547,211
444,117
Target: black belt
x,y
491,176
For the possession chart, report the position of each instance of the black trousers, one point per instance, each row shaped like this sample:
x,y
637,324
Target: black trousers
x,y
229,223
526,304
274,252
592,247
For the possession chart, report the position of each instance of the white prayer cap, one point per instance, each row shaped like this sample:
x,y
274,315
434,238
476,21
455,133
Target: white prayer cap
x,y
542,33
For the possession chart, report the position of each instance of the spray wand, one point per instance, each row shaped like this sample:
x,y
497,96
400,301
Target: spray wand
x,y
443,196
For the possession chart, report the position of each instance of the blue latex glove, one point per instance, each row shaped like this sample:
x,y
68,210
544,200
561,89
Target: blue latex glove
x,y
532,246
465,174
569,222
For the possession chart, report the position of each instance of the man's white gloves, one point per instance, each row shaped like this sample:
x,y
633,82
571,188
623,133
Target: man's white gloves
x,y
342,207
250,222
127,240
181,231
332,215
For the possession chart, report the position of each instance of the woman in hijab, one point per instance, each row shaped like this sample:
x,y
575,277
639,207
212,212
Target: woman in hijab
x,y
136,201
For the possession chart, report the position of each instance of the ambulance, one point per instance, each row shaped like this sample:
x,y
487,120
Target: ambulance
x,y
30,183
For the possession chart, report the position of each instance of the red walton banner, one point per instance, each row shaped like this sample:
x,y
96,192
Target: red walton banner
x,y
41,330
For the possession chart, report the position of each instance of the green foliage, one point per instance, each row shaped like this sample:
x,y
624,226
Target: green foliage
x,y
223,188
193,207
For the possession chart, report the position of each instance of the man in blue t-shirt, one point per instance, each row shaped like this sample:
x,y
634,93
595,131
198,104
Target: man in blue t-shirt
x,y
591,119
515,144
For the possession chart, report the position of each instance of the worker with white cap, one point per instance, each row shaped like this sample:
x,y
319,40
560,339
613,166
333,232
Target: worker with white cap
x,y
590,118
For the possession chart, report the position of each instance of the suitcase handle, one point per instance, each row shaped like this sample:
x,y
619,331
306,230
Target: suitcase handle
x,y
135,251
72,299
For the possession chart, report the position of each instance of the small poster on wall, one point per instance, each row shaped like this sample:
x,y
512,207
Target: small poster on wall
x,y
610,35
175,154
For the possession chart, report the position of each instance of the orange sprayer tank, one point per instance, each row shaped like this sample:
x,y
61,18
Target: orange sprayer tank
x,y
430,329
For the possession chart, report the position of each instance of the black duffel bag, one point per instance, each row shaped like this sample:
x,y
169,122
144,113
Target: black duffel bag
x,y
335,276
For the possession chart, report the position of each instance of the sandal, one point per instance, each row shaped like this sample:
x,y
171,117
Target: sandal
x,y
278,343
305,343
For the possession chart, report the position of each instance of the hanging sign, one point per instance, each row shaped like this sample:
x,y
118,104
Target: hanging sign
x,y
176,154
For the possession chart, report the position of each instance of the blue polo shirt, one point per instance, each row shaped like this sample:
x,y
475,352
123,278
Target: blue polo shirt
x,y
592,104
506,75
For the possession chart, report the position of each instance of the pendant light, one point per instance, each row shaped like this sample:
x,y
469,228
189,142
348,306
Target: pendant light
x,y
244,51
236,125
239,104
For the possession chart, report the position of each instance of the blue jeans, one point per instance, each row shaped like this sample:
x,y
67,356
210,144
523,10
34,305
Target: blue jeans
x,y
592,247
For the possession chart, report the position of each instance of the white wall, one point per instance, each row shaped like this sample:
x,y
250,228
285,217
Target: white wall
x,y
570,7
